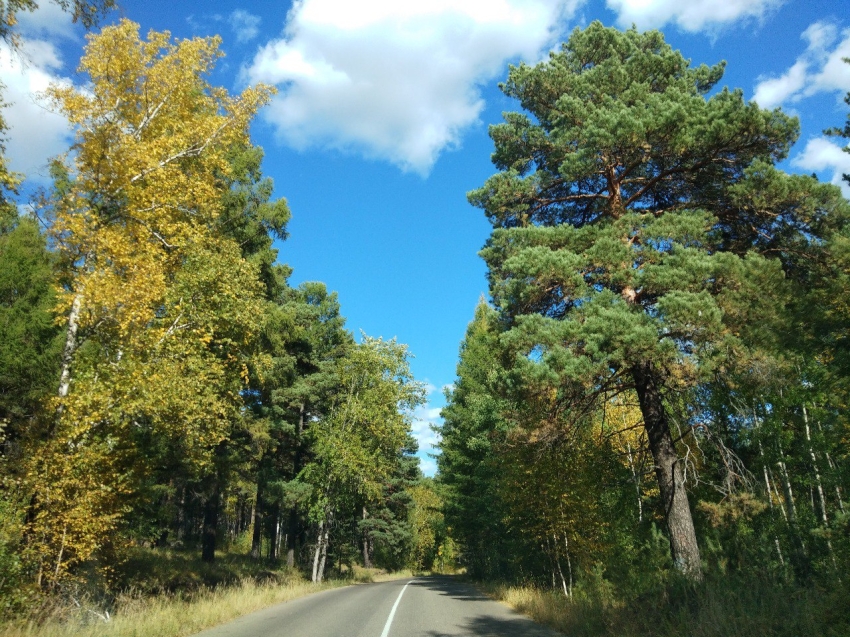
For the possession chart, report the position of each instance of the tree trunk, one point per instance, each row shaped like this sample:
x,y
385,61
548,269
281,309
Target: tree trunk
x,y
68,352
818,483
367,559
799,557
70,346
567,589
291,537
257,535
668,470
208,537
275,527
324,555
317,553
293,529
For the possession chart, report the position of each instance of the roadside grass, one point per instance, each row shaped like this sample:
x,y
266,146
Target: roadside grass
x,y
164,615
726,607
172,593
360,574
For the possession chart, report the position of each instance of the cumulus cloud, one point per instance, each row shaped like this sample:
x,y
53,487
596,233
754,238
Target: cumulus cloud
x,y
820,69
397,81
692,15
245,26
35,134
822,154
47,20
425,418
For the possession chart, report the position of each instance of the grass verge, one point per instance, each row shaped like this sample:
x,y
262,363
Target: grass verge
x,y
720,608
172,593
166,615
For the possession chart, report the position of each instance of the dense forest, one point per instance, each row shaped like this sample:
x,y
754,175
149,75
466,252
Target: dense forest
x,y
161,383
653,399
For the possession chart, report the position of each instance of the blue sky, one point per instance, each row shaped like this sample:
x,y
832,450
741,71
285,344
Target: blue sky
x,y
380,126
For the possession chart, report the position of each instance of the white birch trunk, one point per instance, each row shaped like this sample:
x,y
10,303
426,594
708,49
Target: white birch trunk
x,y
317,551
324,549
70,346
816,468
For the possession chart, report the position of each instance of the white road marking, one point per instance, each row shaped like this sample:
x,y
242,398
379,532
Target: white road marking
x,y
392,612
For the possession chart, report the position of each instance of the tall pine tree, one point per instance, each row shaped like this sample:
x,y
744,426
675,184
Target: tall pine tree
x,y
639,224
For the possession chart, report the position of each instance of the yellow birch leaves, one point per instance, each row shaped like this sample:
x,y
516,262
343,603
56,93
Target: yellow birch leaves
x,y
167,305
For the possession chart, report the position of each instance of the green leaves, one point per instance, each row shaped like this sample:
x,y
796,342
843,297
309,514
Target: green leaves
x,y
643,240
357,443
29,357
621,122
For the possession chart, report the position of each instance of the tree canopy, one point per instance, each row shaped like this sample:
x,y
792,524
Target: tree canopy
x,y
642,236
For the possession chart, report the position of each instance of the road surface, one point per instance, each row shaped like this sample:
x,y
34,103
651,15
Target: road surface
x,y
416,607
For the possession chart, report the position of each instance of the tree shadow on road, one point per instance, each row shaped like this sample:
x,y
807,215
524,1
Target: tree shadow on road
x,y
451,587
484,626
480,625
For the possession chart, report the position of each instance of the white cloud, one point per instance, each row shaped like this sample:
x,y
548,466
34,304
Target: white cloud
x,y
245,25
425,418
35,134
775,90
47,20
822,154
820,68
397,81
428,466
690,15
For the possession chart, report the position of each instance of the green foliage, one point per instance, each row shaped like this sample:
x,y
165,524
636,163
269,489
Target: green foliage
x,y
30,356
642,231
16,593
472,426
357,444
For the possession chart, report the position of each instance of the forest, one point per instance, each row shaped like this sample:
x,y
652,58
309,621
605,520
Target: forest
x,y
648,433
162,386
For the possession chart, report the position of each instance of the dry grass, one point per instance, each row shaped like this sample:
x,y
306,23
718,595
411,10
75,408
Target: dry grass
x,y
542,606
170,593
721,608
166,615
360,574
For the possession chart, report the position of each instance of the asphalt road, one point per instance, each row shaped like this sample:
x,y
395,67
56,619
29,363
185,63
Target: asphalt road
x,y
418,607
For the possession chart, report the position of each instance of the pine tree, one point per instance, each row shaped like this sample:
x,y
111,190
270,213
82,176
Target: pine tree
x,y
473,426
639,225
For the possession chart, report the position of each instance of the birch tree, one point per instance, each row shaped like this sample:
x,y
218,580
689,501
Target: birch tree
x,y
357,444
161,307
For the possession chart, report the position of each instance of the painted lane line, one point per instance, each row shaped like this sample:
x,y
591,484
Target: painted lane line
x,y
392,612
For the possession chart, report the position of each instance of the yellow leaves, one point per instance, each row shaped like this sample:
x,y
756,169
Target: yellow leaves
x,y
152,132
168,304
77,501
426,519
